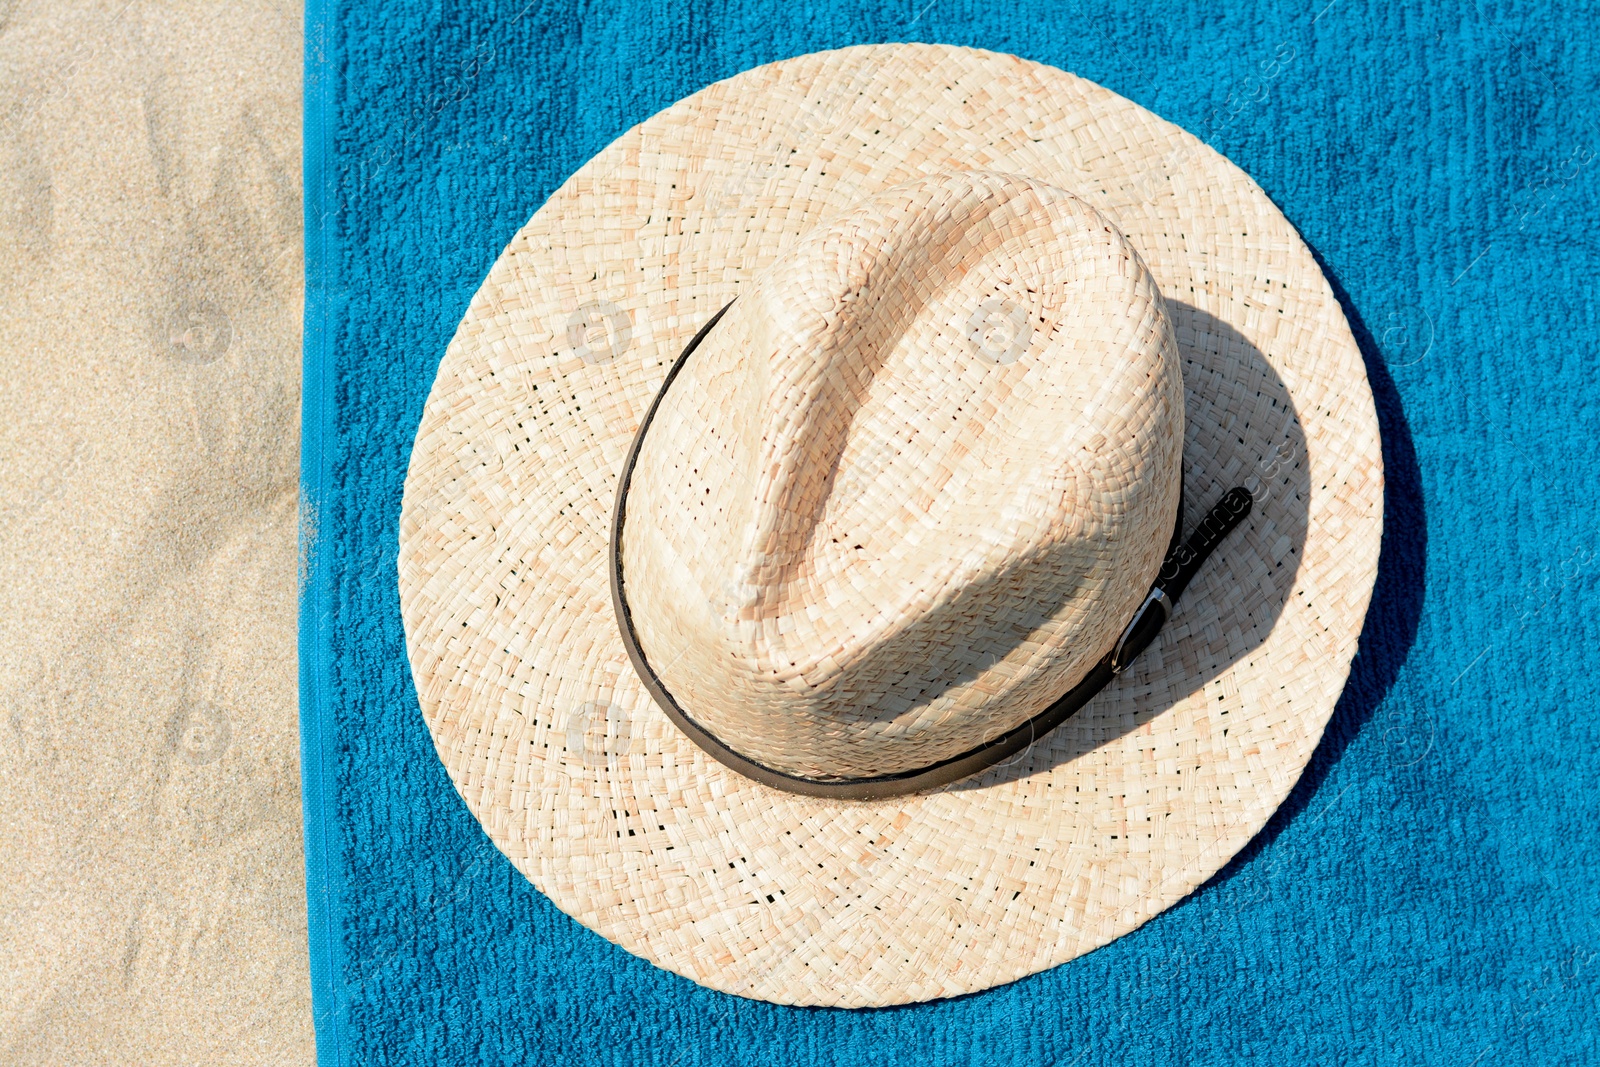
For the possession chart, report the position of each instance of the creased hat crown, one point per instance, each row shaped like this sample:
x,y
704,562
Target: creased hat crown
x,y
913,484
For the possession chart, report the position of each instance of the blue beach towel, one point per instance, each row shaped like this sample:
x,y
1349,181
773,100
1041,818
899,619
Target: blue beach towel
x,y
1430,893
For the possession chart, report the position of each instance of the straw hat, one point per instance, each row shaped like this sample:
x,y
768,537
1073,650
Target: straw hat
x,y
800,489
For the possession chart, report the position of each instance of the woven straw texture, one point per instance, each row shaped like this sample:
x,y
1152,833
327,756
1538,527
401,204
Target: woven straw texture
x,y
628,827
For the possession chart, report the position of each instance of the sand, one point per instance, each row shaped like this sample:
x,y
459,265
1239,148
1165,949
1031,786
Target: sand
x,y
150,299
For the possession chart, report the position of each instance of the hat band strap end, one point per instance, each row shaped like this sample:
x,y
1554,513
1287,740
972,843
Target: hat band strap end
x,y
1177,571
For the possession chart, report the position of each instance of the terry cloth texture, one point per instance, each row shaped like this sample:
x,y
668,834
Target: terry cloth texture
x,y
1431,890
151,888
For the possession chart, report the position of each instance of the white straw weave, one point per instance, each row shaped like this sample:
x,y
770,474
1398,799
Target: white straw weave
x,y
1114,816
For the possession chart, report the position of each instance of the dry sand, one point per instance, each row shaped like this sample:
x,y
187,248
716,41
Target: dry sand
x,y
150,298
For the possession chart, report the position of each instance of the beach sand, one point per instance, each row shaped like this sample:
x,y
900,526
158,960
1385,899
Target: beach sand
x,y
150,300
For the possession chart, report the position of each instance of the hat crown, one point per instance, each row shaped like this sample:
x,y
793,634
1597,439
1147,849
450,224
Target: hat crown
x,y
913,484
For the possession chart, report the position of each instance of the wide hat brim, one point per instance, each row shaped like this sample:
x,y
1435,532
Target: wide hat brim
x,y
638,834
